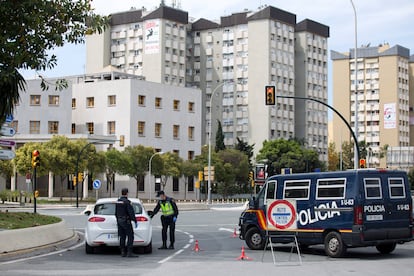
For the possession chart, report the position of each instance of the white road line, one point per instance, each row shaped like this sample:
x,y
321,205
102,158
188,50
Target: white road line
x,y
190,241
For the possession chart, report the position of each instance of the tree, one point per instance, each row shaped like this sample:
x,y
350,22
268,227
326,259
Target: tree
x,y
232,172
29,30
246,148
411,178
333,158
113,166
189,168
219,138
171,167
6,170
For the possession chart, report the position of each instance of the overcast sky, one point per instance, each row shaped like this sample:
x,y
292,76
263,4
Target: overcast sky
x,y
379,21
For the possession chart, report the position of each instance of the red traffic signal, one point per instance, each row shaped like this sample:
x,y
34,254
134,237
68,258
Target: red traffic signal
x,y
35,158
362,163
270,95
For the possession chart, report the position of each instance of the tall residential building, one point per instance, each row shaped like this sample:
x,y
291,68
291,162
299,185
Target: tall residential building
x,y
231,61
382,84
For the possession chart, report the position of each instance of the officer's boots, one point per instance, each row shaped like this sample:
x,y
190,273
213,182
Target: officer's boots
x,y
130,254
164,245
171,246
123,252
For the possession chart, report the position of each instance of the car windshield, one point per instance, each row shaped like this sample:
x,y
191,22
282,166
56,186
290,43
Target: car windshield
x,y
109,208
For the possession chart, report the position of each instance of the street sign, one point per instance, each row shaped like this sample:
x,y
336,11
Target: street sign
x,y
281,214
96,184
7,143
7,154
7,131
9,118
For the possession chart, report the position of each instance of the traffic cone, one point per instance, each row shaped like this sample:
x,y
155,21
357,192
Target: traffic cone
x,y
234,233
196,247
243,255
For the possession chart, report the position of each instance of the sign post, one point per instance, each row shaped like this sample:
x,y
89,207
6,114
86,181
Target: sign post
x,y
96,186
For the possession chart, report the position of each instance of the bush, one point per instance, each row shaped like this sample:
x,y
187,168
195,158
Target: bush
x,y
4,195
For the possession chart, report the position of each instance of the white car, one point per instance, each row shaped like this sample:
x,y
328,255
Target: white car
x,y
102,230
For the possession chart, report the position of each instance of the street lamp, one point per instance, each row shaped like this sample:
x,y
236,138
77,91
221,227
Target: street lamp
x,y
356,154
149,173
209,145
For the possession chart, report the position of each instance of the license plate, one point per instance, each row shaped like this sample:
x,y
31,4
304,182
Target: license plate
x,y
112,236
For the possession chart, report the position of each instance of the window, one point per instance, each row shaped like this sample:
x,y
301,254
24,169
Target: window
x,y
297,189
141,100
158,102
190,133
141,128
90,128
158,130
396,187
90,102
53,100
34,99
271,190
109,208
73,128
73,103
190,155
176,184
176,131
330,188
372,188
111,127
53,127
34,127
176,105
111,100
141,184
190,107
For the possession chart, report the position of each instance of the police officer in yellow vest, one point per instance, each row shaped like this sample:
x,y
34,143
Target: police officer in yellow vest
x,y
169,217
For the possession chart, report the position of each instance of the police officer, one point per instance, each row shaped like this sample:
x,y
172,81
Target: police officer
x,y
125,214
169,217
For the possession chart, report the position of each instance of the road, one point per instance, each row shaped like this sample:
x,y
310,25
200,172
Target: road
x,y
213,229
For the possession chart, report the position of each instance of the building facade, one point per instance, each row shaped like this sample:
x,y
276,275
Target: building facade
x,y
383,100
231,61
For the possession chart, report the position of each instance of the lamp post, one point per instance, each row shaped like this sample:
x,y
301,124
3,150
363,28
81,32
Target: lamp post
x,y
209,145
356,161
149,172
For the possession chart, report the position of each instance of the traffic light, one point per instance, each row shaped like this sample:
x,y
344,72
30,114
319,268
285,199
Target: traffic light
x,y
270,94
36,194
200,175
35,159
80,177
362,163
122,140
75,182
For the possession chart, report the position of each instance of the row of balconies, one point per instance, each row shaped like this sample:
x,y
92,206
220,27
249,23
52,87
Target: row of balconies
x,y
135,33
318,69
322,132
175,31
175,44
317,56
175,58
282,46
134,59
319,43
174,72
282,126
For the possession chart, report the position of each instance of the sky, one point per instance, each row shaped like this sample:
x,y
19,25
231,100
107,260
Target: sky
x,y
378,22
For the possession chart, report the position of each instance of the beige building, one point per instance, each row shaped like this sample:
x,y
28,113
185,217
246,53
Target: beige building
x,y
231,61
382,99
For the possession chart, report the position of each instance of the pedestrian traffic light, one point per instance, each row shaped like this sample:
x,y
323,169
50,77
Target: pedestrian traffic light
x,y
362,163
35,159
270,94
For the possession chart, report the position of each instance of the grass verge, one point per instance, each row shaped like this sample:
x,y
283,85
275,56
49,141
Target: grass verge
x,y
17,220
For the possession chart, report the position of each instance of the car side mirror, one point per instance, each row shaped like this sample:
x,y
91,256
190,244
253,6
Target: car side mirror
x,y
150,213
87,213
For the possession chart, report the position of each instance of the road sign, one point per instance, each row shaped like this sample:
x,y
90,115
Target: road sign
x,y
281,214
7,143
7,154
9,118
7,131
96,184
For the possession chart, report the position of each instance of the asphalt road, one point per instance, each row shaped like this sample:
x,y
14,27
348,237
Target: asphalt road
x,y
213,229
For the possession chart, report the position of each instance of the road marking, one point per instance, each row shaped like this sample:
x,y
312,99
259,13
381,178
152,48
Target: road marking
x,y
190,241
228,230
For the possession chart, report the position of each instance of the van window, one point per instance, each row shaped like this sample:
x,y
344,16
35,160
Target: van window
x,y
372,188
271,188
396,187
296,189
330,188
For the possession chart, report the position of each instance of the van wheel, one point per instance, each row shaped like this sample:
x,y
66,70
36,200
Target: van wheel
x,y
386,248
334,245
89,249
253,239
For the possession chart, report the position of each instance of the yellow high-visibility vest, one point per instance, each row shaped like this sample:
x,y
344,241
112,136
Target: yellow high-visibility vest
x,y
167,208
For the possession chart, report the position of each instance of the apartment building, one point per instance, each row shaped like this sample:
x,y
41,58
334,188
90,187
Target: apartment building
x,y
231,61
382,99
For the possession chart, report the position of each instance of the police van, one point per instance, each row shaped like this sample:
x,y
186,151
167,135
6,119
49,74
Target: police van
x,y
355,208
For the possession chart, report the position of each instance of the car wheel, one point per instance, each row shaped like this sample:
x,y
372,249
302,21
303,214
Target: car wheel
x,y
386,248
254,239
89,249
148,248
334,245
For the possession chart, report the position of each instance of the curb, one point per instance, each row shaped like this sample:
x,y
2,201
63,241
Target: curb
x,y
13,241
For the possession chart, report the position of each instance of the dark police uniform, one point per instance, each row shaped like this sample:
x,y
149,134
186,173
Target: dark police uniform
x,y
124,213
169,216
